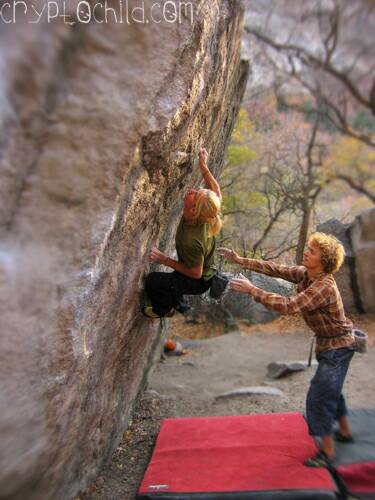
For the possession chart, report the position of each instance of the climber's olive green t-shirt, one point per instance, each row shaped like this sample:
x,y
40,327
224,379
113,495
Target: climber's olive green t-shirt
x,y
194,247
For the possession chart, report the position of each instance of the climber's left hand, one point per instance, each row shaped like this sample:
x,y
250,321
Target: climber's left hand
x,y
158,256
203,156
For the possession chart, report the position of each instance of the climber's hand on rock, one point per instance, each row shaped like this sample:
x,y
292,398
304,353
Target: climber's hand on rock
x,y
203,155
158,256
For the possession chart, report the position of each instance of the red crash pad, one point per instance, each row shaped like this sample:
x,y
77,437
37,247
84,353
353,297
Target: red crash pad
x,y
355,462
359,477
252,456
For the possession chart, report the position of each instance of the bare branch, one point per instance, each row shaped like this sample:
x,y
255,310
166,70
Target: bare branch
x,y
277,255
234,212
232,181
354,185
310,59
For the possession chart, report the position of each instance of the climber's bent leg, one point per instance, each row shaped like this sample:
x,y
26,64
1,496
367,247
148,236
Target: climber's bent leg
x,y
183,285
158,287
166,290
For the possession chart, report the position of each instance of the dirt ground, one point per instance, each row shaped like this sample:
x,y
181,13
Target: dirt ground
x,y
188,385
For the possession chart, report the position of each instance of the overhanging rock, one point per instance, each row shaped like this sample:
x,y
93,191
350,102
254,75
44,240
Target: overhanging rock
x,y
99,128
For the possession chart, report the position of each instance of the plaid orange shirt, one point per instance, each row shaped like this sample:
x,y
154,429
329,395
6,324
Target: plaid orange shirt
x,y
318,300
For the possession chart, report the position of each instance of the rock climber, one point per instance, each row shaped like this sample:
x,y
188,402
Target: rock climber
x,y
319,301
195,245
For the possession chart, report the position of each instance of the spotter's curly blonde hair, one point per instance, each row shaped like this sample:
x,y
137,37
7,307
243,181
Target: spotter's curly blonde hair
x,y
331,249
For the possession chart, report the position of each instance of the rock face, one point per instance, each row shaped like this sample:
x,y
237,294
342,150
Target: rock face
x,y
356,278
99,125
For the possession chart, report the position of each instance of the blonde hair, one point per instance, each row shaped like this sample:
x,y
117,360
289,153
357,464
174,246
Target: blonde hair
x,y
208,207
331,249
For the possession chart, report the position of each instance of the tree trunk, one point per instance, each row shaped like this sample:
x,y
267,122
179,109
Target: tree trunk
x,y
302,237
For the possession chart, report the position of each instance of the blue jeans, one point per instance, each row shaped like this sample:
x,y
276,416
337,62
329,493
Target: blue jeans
x,y
325,402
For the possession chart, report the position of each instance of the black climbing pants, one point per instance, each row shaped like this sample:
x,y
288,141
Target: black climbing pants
x,y
166,290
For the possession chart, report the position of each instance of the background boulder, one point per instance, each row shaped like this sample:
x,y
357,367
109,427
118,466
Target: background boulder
x,y
234,306
345,277
356,278
362,234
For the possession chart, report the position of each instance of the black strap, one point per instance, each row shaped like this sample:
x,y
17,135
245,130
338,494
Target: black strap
x,y
323,337
311,352
221,263
345,492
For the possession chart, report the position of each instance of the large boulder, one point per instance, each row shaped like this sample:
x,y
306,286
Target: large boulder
x,y
99,126
362,233
356,277
345,277
234,306
242,306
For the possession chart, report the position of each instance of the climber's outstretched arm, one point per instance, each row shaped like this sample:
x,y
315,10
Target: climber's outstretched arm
x,y
294,274
211,182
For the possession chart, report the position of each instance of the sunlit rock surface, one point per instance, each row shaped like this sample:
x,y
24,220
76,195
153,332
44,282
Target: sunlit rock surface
x,y
99,126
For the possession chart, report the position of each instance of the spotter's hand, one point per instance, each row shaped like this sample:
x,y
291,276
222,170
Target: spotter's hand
x,y
242,284
228,254
158,256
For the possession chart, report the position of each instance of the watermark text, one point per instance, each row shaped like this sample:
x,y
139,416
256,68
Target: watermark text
x,y
85,12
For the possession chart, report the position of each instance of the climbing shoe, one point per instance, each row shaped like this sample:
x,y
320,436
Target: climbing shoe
x,y
318,460
150,313
341,438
